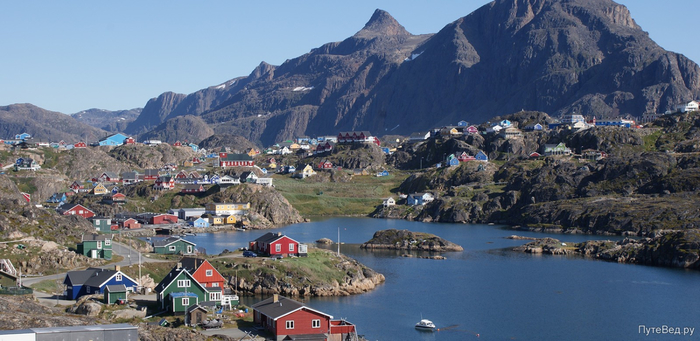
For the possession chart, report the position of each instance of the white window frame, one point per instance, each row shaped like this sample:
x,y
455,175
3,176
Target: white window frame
x,y
215,284
210,273
316,323
185,301
118,278
278,247
183,283
99,245
171,248
291,247
289,324
108,242
215,296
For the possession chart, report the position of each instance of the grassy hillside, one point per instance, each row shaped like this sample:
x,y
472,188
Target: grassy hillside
x,y
358,196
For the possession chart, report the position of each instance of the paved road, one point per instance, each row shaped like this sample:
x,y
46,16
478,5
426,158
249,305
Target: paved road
x,y
131,256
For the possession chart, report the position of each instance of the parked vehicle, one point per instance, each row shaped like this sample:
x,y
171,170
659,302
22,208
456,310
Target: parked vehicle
x,y
249,254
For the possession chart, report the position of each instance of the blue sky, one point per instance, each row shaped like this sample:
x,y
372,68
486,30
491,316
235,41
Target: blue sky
x,y
68,56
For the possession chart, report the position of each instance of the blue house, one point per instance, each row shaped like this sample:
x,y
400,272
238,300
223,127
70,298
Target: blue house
x,y
462,123
481,156
453,161
113,140
23,136
94,281
200,222
383,173
57,198
194,147
386,150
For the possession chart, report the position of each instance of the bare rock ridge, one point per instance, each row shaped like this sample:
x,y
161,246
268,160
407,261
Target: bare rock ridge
x,y
393,239
555,56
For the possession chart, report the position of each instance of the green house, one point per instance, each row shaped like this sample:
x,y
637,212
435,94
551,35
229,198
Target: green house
x,y
96,246
114,293
556,149
174,246
102,224
179,290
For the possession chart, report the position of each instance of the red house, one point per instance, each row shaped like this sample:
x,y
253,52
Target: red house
x,y
150,174
465,157
76,209
206,275
164,182
130,223
162,219
177,144
235,160
291,320
193,188
80,144
76,186
129,140
273,244
325,164
472,130
181,175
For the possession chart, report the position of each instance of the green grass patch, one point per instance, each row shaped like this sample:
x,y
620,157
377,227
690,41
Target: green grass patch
x,y
359,196
157,271
49,286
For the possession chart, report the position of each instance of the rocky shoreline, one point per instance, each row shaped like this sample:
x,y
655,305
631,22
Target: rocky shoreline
x,y
677,249
393,239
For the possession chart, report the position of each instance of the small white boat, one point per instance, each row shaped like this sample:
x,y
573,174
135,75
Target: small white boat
x,y
425,325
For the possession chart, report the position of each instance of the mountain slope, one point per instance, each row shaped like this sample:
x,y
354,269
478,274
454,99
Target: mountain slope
x,y
555,56
44,125
112,121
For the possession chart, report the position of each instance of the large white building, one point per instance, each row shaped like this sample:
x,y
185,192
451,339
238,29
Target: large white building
x,y
688,107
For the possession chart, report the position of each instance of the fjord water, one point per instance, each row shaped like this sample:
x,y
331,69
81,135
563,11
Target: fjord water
x,y
488,292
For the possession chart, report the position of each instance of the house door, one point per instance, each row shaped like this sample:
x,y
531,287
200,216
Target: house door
x,y
93,253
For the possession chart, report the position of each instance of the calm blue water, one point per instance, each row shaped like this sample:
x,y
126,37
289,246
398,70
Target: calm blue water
x,y
493,292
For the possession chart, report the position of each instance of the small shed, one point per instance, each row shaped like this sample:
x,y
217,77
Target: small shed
x,y
195,315
115,293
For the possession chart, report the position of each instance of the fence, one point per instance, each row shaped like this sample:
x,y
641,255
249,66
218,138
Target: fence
x,y
16,291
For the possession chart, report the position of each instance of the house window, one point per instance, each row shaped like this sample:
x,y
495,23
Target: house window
x,y
278,248
215,296
171,248
315,323
108,242
183,283
186,301
291,247
118,278
210,273
290,324
87,290
215,284
99,245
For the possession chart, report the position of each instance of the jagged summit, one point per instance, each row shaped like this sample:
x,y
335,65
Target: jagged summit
x,y
382,23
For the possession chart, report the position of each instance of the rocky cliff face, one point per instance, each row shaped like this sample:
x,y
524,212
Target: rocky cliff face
x,y
583,56
45,125
393,239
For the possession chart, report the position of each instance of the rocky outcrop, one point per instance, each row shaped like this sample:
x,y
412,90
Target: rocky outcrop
x,y
412,241
262,278
678,249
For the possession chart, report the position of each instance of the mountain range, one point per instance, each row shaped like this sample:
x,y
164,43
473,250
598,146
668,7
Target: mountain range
x,y
554,56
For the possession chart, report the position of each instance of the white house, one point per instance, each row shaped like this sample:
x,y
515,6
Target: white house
x,y
388,202
688,107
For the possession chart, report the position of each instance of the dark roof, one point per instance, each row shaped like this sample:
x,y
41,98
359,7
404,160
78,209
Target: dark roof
x,y
91,277
169,240
151,172
281,307
269,237
116,288
237,157
191,263
306,337
95,237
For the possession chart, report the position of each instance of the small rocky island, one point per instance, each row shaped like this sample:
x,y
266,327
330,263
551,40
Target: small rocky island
x,y
678,249
393,239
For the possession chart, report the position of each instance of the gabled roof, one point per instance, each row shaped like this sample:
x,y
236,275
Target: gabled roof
x,y
68,207
237,157
172,275
170,240
272,237
282,307
116,288
93,277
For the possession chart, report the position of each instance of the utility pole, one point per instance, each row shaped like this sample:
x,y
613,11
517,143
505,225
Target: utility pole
x,y
338,241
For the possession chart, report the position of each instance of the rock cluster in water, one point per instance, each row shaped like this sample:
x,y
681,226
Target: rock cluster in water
x,y
393,239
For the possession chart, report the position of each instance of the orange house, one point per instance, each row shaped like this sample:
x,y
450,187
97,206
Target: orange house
x,y
206,275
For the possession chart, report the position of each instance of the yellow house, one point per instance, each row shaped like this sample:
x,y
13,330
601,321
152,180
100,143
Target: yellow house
x,y
272,166
226,208
188,163
308,171
252,152
100,189
216,220
230,220
294,146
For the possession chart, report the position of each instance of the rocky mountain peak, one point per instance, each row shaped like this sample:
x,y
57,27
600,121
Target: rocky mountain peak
x,y
381,23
